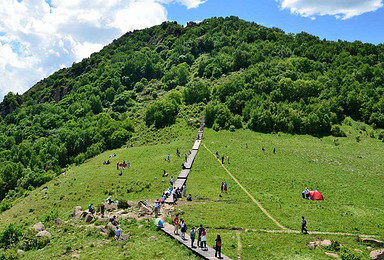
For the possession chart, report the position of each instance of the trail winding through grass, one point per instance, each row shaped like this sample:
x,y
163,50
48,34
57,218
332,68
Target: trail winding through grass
x,y
283,228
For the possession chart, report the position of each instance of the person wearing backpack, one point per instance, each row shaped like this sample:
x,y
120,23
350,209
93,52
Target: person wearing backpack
x,y
183,229
218,247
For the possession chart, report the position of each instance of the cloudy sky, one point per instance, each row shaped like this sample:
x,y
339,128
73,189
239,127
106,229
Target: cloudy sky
x,y
38,37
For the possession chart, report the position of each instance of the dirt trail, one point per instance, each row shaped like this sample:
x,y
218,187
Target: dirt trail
x,y
239,245
283,228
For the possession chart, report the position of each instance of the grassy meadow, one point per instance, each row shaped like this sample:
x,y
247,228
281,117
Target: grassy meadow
x,y
348,173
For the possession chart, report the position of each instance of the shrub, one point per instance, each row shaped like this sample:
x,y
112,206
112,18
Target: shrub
x,y
31,242
336,131
5,205
49,217
10,235
123,204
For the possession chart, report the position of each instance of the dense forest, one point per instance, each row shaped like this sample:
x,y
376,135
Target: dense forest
x,y
244,74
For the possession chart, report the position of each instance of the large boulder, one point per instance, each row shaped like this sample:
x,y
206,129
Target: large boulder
x,y
144,210
38,226
110,207
377,254
43,234
373,242
77,212
88,218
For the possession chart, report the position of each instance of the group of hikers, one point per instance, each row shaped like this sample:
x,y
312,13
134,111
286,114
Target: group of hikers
x,y
175,192
224,187
201,233
223,158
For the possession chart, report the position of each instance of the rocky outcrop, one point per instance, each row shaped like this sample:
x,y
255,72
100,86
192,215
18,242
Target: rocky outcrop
x,y
77,212
88,218
373,242
38,226
377,254
43,234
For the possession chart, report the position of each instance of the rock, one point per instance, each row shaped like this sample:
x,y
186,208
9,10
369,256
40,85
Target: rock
x,y
325,242
369,247
332,254
88,218
102,220
75,256
110,207
144,210
44,189
377,254
38,226
77,212
152,238
43,234
312,245
59,221
123,237
373,242
20,252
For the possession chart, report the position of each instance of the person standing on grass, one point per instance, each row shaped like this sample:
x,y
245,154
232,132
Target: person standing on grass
x,y
157,207
246,145
171,181
192,234
217,154
222,187
128,164
225,187
222,159
274,150
199,230
117,165
176,224
304,226
218,246
228,159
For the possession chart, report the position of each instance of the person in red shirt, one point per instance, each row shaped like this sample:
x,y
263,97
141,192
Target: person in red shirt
x,y
176,224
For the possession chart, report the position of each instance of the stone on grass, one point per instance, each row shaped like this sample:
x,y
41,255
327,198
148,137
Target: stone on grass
x,y
102,220
77,212
373,242
43,234
59,221
326,242
377,254
38,226
88,218
20,252
75,256
152,238
332,254
312,245
123,237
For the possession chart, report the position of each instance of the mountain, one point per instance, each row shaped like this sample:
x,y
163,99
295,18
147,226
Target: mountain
x,y
239,74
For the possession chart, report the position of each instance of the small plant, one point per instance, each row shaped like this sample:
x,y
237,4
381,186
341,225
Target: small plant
x,y
335,246
358,138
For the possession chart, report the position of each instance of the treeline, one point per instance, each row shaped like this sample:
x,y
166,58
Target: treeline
x,y
245,75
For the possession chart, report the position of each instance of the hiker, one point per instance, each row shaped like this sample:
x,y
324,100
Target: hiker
x,y
177,152
178,193
128,164
228,159
222,159
183,166
109,200
274,150
246,145
222,187
174,196
184,190
91,210
186,157
171,181
114,221
305,193
225,187
160,224
157,208
108,162
183,229
304,226
120,173
117,165
168,158
217,154
192,234
199,230
262,149
189,197
176,224
165,174
203,243
218,246
102,209
117,232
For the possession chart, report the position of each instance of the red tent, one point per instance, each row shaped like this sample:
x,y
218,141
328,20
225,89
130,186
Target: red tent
x,y
315,195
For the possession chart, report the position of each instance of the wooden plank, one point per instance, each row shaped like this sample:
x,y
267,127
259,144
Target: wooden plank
x,y
210,254
196,145
190,159
184,174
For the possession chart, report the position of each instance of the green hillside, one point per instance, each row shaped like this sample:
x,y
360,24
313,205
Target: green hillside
x,y
319,103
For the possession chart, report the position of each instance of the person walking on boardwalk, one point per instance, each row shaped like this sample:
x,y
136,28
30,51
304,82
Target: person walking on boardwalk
x,y
225,187
183,229
203,243
186,157
192,234
222,159
218,247
199,230
176,224
304,226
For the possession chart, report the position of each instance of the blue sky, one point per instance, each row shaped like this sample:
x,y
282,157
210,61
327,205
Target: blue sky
x,y
38,37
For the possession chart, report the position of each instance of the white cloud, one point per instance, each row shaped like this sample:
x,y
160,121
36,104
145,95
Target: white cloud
x,y
341,9
37,38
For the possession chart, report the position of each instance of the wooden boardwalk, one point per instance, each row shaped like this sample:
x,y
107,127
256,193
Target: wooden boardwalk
x,y
183,176
209,254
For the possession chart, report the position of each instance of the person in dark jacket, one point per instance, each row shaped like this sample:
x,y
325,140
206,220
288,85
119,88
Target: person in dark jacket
x,y
218,247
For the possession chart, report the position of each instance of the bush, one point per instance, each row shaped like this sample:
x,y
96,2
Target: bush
x,y
5,205
31,242
50,217
337,132
348,254
123,204
10,235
